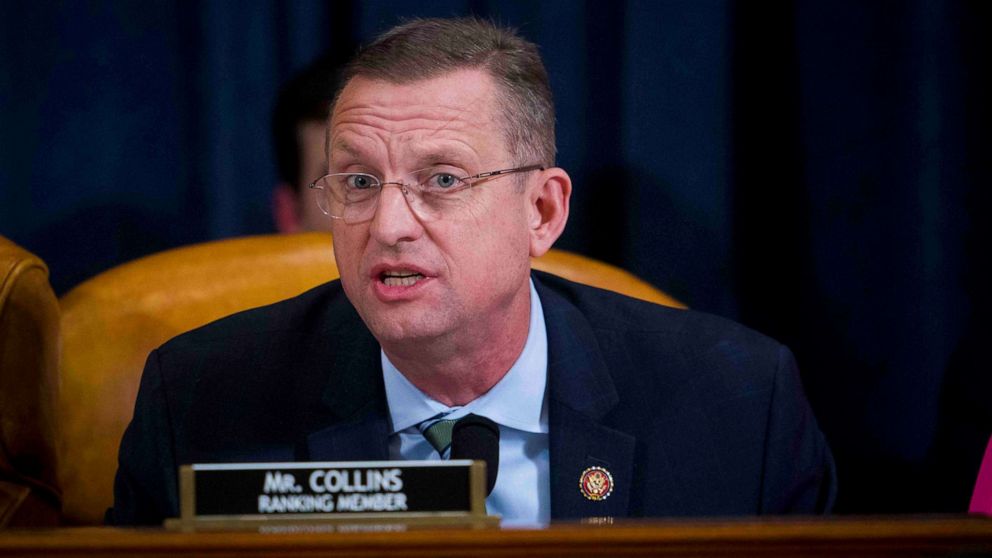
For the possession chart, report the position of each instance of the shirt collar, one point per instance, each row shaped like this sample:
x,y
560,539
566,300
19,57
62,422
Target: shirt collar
x,y
516,401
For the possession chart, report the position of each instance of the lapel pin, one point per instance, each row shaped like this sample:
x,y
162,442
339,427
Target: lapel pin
x,y
596,484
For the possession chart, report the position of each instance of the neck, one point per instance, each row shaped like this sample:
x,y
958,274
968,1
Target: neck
x,y
457,369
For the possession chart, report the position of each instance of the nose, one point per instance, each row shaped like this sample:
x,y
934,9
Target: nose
x,y
394,220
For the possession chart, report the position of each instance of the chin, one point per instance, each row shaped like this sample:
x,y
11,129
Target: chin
x,y
396,335
397,328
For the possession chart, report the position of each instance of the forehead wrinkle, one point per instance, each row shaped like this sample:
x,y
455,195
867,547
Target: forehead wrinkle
x,y
395,124
415,111
475,118
456,122
435,149
434,146
420,123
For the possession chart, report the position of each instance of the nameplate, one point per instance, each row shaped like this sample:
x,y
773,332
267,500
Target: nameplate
x,y
400,490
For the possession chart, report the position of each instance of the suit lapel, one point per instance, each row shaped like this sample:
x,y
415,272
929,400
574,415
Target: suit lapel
x,y
578,443
581,393
355,397
364,439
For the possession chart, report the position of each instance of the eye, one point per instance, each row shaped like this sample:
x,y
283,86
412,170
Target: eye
x,y
444,181
359,181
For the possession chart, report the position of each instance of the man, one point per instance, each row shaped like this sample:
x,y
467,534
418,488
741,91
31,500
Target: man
x,y
299,127
441,187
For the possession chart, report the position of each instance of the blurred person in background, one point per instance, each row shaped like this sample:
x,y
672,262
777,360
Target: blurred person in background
x,y
299,129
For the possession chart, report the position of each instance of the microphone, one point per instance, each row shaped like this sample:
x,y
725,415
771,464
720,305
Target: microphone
x,y
475,437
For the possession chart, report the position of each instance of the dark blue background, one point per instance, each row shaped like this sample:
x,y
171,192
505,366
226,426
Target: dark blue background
x,y
816,170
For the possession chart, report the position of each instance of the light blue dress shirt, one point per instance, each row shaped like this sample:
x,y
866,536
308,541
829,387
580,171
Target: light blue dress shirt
x,y
517,403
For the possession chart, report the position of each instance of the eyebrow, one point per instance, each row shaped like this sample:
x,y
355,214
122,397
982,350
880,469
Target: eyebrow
x,y
445,156
342,145
425,159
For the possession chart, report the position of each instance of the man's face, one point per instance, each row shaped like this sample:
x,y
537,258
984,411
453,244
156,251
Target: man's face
x,y
415,280
310,137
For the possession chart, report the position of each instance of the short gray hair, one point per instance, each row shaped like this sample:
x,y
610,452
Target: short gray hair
x,y
422,49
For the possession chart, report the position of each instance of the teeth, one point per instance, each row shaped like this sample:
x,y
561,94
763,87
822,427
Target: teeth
x,y
401,280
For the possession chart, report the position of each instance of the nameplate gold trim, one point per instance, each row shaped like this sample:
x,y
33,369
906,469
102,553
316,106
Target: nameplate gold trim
x,y
244,495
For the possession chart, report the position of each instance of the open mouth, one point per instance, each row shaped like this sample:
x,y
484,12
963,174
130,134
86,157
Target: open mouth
x,y
400,278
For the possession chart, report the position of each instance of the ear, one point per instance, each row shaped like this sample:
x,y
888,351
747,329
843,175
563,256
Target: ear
x,y
548,204
286,209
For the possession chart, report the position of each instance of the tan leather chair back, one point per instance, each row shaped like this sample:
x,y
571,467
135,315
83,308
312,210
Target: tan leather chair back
x,y
603,275
29,383
111,322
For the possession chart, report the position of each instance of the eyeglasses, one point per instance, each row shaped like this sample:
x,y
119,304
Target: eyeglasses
x,y
430,193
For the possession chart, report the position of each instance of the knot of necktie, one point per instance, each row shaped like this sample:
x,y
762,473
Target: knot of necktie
x,y
437,431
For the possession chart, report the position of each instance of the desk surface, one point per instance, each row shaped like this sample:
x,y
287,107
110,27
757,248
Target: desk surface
x,y
869,536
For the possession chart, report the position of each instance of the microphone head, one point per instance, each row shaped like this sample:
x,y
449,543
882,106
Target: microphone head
x,y
475,437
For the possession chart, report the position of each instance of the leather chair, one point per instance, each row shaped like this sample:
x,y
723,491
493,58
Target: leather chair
x,y
29,351
111,322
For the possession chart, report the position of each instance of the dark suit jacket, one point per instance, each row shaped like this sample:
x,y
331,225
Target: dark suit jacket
x,y
693,415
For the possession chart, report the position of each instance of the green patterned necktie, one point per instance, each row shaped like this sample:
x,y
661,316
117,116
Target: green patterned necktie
x,y
438,433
